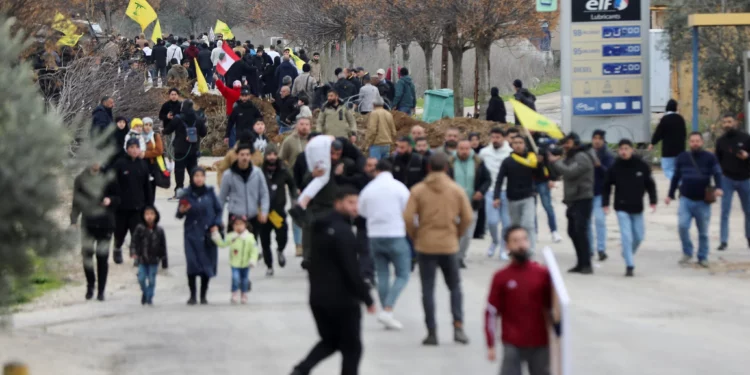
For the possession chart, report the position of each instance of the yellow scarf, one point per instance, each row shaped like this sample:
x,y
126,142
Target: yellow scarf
x,y
529,161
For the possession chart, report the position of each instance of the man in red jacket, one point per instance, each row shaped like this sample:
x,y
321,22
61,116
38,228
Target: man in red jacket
x,y
521,296
231,96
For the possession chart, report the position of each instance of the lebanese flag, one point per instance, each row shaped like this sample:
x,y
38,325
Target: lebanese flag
x,y
229,58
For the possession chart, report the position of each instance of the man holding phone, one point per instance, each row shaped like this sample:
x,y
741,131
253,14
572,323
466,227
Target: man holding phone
x,y
732,152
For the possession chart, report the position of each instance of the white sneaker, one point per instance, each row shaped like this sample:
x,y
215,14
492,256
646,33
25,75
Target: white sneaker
x,y
491,250
389,321
504,255
556,237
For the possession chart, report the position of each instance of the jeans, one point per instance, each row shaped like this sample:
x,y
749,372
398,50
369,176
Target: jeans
x,y
729,186
240,279
209,75
283,127
600,224
380,151
297,234
537,360
465,239
523,212
496,216
667,166
448,263
388,251
147,279
545,195
631,234
406,110
233,137
161,72
579,219
701,211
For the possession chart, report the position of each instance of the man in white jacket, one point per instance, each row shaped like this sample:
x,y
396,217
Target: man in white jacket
x,y
493,156
382,202
216,53
173,52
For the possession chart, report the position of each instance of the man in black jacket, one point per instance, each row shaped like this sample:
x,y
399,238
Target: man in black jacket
x,y
631,177
524,96
732,150
408,166
188,129
133,182
170,108
284,104
98,224
241,69
277,177
337,288
206,65
101,117
159,56
520,169
244,115
672,131
496,108
344,87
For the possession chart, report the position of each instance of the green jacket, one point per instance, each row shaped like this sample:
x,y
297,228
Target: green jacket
x,y
406,95
243,251
336,121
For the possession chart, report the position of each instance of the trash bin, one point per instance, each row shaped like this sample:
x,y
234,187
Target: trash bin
x,y
437,104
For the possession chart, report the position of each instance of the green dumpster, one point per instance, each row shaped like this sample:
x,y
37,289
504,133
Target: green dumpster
x,y
437,104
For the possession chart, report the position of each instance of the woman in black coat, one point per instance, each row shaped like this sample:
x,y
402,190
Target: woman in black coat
x,y
496,108
270,84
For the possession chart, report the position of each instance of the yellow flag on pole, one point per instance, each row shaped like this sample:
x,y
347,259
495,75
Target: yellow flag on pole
x,y
157,32
69,40
223,29
202,84
63,25
534,121
141,12
298,62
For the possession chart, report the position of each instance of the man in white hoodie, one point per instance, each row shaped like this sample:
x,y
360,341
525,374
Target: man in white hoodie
x,y
216,53
493,156
173,52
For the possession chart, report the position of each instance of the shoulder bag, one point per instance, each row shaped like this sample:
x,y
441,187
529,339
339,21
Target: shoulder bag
x,y
710,193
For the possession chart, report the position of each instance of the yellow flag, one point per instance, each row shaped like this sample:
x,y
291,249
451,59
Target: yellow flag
x,y
63,25
69,40
275,219
223,29
157,32
297,60
202,84
535,122
141,12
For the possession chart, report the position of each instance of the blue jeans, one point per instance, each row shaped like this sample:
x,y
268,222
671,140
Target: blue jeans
x,y
380,151
631,234
233,137
147,279
701,211
386,251
297,233
545,195
667,166
496,216
600,223
729,186
162,72
406,110
240,279
283,126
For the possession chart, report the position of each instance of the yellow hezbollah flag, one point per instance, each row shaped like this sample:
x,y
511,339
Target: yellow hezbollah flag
x,y
157,32
223,29
297,61
63,25
69,40
202,84
141,12
534,121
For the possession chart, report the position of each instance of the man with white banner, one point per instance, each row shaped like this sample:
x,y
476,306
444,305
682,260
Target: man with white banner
x,y
531,302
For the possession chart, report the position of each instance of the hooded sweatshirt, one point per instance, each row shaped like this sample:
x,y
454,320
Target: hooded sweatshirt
x,y
493,159
577,171
149,244
431,226
244,191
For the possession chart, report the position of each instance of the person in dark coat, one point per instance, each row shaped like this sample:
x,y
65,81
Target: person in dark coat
x,y
524,96
270,83
186,152
101,117
336,288
133,176
241,69
201,209
159,56
149,246
345,87
673,133
206,65
496,108
98,224
118,139
408,166
279,180
286,68
285,105
170,108
244,115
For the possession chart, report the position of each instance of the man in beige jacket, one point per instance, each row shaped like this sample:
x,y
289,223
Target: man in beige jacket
x,y
381,131
435,204
335,119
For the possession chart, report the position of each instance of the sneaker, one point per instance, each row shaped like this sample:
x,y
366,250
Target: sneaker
x,y
556,237
298,252
459,335
602,256
282,259
722,247
235,298
89,292
504,256
491,250
703,263
629,272
192,301
305,264
100,296
204,301
586,270
143,299
387,319
269,272
575,269
685,260
431,339
243,299
117,256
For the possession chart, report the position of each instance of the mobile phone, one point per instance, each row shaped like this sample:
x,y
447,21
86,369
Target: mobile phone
x,y
184,202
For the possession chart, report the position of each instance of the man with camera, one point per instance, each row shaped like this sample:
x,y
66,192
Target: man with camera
x,y
577,171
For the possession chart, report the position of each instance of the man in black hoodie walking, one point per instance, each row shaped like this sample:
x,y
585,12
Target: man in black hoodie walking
x,y
524,96
732,150
277,177
188,129
336,287
672,132
631,177
133,181
159,56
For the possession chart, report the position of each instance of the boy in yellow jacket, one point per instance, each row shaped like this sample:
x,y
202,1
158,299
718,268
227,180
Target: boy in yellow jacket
x,y
243,254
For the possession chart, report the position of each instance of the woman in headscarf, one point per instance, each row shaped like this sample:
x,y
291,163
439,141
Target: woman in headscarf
x,y
200,208
269,78
154,149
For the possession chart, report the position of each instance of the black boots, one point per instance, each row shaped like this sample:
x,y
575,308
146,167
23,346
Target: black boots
x,y
117,256
102,269
602,256
204,289
431,339
89,292
629,272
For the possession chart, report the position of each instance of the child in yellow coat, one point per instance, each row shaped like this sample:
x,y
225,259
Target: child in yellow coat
x,y
243,254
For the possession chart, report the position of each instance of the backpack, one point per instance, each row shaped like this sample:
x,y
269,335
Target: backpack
x,y
190,131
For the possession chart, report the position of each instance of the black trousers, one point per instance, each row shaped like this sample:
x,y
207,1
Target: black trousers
x,y
125,220
579,214
282,236
184,162
366,263
95,247
481,222
340,329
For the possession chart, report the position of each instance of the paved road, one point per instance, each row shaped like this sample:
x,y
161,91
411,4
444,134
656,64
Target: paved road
x,y
668,320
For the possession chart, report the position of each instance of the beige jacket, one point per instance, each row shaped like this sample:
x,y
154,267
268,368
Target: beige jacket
x,y
338,121
292,146
229,159
436,203
316,70
381,130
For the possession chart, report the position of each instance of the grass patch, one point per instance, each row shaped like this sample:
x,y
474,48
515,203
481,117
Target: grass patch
x,y
41,281
467,102
544,88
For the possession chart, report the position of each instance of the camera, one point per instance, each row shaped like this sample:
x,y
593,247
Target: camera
x,y
555,150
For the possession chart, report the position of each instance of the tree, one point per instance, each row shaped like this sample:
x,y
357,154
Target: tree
x,y
721,48
33,147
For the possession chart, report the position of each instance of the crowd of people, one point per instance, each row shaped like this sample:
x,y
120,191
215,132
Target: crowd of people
x,y
411,205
